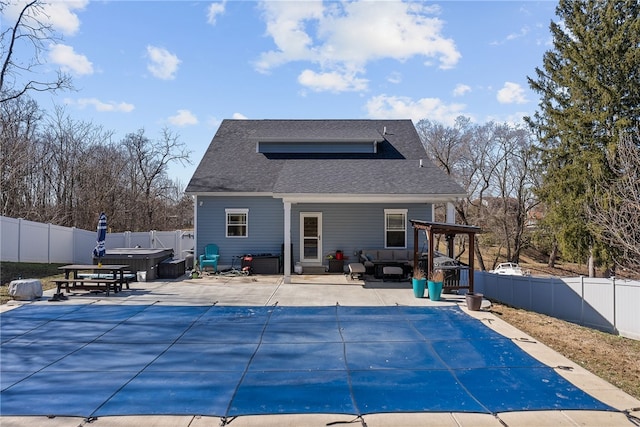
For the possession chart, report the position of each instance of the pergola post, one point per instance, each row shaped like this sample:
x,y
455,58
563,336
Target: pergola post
x,y
415,251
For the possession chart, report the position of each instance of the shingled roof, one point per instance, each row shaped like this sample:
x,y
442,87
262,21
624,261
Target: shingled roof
x,y
232,162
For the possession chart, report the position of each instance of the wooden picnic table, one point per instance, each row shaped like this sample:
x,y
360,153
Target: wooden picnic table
x,y
108,276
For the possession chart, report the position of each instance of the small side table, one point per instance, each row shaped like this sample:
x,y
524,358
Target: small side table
x,y
336,266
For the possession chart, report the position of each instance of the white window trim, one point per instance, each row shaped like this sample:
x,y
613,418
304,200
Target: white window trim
x,y
396,211
235,211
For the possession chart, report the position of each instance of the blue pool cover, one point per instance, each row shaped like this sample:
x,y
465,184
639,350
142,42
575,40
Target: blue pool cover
x,y
98,360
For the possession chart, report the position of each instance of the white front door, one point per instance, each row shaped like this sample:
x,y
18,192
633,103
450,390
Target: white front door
x,y
311,237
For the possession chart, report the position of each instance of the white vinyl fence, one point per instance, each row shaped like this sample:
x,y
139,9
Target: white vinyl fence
x,y
609,305
28,241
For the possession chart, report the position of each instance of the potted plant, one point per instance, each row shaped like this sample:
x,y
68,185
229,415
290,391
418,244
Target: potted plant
x,y
194,272
474,301
419,282
436,279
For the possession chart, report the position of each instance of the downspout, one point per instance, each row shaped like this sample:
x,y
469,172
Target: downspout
x,y
451,213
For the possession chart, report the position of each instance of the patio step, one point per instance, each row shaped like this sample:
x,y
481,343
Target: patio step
x,y
320,269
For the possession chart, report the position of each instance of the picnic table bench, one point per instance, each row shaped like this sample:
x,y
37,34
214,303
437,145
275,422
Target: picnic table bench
x,y
88,284
128,277
105,277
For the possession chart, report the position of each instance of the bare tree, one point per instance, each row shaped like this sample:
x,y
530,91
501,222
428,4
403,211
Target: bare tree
x,y
493,163
617,213
449,148
147,172
513,185
63,171
19,120
29,32
67,145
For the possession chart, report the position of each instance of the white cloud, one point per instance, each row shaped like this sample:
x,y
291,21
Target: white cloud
x,y
68,60
344,37
214,10
183,118
511,93
62,17
513,36
523,32
461,89
58,14
331,81
239,116
395,77
101,106
517,118
397,107
286,26
164,64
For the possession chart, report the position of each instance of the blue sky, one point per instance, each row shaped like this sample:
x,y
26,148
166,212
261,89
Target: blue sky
x,y
187,65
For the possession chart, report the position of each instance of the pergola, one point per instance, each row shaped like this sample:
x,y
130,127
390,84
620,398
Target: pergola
x,y
449,231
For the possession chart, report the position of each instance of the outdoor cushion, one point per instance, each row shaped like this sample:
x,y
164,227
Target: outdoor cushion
x,y
369,256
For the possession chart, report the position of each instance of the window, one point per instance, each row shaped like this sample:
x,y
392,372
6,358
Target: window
x,y
395,228
237,222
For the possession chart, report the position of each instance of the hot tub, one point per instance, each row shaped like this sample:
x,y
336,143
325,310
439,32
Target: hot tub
x,y
138,259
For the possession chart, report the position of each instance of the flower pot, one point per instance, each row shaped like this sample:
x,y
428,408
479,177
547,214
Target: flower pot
x,y
418,287
435,290
474,301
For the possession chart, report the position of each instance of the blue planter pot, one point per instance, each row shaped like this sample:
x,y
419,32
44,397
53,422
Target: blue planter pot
x,y
418,287
435,290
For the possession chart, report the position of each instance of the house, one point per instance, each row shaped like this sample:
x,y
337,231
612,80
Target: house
x,y
303,189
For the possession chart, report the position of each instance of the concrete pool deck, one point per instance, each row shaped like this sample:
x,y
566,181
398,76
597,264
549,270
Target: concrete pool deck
x,y
327,290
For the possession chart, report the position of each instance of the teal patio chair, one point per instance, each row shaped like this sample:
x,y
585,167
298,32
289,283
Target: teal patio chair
x,y
210,257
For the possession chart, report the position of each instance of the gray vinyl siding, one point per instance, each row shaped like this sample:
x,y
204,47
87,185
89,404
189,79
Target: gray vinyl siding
x,y
345,226
353,227
265,226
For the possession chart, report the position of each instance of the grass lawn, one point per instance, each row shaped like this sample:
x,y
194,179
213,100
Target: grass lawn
x,y
27,270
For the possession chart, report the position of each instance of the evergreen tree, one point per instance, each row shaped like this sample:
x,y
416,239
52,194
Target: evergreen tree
x,y
590,95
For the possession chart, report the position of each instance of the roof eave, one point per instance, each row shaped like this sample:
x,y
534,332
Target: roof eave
x,y
341,198
368,198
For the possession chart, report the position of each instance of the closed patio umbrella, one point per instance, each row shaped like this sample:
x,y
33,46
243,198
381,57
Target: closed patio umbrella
x,y
100,250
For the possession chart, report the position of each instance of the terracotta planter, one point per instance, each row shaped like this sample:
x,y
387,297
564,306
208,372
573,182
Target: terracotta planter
x,y
418,287
435,290
474,301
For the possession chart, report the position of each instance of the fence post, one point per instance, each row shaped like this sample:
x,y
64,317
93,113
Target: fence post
x,y
74,245
19,239
553,299
530,292
615,326
48,243
582,300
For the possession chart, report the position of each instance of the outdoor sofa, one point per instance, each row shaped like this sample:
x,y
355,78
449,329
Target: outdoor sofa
x,y
374,260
